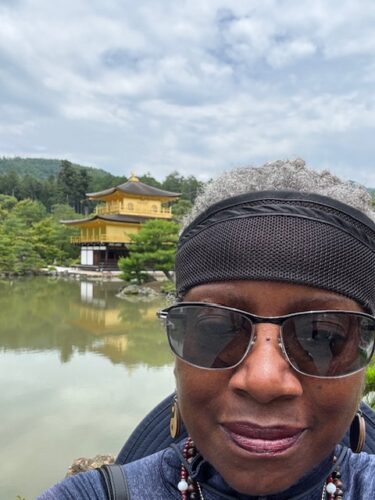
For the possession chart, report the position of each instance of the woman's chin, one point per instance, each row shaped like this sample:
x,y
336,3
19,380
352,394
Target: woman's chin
x,y
260,485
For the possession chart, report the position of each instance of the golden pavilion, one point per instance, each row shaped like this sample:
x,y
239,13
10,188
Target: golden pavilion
x,y
105,236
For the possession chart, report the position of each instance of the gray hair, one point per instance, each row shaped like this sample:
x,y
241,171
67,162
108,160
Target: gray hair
x,y
281,175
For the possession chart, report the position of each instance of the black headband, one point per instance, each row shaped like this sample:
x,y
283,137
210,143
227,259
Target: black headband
x,y
281,236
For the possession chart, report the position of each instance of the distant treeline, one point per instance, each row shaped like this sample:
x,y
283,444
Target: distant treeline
x,y
54,182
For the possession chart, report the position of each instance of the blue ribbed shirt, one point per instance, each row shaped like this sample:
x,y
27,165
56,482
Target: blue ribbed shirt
x,y
156,477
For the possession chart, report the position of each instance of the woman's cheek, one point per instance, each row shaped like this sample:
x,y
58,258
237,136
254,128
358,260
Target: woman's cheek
x,y
339,397
198,389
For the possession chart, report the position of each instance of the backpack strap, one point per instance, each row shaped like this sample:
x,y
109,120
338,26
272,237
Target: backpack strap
x,y
115,482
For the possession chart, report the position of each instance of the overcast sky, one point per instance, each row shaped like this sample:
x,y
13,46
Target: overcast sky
x,y
198,87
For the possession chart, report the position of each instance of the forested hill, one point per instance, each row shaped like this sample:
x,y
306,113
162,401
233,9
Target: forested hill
x,y
42,168
52,182
39,168
13,170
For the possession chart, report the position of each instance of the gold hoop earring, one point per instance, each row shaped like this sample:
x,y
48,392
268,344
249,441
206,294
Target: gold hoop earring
x,y
357,433
175,419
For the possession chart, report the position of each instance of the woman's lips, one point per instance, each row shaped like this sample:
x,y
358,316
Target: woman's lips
x,y
263,440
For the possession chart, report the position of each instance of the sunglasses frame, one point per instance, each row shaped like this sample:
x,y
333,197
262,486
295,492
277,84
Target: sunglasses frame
x,y
275,320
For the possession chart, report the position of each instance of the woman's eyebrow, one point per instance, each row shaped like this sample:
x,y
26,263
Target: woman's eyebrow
x,y
226,300
235,301
321,301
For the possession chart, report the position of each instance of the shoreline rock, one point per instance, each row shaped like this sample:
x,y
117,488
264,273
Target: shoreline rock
x,y
84,464
142,291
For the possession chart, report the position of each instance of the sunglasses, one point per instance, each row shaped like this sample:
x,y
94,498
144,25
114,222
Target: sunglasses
x,y
322,344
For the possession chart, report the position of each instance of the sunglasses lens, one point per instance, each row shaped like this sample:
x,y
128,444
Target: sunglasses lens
x,y
328,344
322,344
208,336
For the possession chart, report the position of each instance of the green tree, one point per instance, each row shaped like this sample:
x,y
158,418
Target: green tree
x,y
30,187
133,268
31,239
83,182
369,391
51,239
29,211
10,184
153,248
181,208
149,180
45,241
173,182
7,256
62,211
189,187
72,185
50,194
26,255
6,204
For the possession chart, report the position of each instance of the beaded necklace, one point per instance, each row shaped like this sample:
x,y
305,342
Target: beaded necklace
x,y
333,487
191,490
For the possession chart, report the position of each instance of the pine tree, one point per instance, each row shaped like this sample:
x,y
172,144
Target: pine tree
x,y
153,248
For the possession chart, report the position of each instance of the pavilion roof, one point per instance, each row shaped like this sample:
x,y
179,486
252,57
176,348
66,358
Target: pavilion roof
x,y
135,187
111,218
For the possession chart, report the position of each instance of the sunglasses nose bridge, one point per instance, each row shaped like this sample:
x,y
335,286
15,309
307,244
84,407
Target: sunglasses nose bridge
x,y
266,321
256,321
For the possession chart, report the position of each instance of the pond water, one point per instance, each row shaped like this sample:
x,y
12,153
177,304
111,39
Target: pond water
x,y
79,368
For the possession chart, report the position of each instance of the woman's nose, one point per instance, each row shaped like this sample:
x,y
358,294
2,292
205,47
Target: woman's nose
x,y
265,374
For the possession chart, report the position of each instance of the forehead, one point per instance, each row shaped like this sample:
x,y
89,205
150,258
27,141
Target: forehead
x,y
270,297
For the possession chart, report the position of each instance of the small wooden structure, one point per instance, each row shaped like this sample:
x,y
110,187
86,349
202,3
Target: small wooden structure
x,y
105,236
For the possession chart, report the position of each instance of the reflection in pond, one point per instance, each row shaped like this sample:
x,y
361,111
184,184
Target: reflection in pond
x,y
77,317
79,368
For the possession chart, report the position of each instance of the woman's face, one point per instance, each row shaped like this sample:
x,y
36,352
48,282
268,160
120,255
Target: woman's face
x,y
262,425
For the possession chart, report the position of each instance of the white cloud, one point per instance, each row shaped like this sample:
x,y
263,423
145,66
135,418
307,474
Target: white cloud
x,y
197,87
289,52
